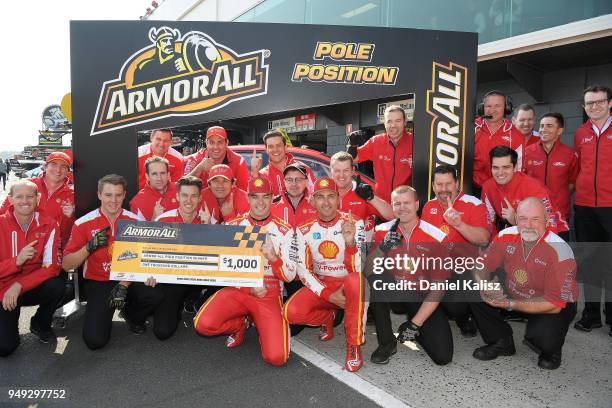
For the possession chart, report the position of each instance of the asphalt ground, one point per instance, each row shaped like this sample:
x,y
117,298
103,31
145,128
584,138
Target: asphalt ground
x,y
184,371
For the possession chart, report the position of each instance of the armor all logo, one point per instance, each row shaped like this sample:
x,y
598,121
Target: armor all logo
x,y
328,249
179,75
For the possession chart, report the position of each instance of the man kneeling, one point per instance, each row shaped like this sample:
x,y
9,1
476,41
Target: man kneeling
x,y
29,267
230,310
540,282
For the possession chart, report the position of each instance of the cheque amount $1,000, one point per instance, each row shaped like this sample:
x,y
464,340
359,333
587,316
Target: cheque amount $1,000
x,y
243,263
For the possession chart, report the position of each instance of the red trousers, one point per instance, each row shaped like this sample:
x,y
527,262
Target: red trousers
x,y
225,311
306,307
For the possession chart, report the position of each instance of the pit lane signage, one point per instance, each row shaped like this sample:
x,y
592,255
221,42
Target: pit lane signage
x,y
179,75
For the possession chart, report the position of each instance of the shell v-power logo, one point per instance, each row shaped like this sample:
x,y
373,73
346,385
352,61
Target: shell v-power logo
x,y
179,76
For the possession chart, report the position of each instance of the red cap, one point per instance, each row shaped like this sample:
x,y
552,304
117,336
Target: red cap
x,y
221,170
259,185
325,183
216,131
59,156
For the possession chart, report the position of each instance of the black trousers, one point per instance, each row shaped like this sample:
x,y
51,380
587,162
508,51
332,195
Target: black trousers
x,y
435,336
47,295
456,304
545,331
291,288
141,302
168,313
3,178
595,225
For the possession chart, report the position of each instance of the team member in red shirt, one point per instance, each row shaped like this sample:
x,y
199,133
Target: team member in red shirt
x,y
222,199
523,119
329,263
56,194
540,282
361,201
593,201
228,310
389,152
502,193
279,159
293,206
167,314
159,194
463,218
90,245
493,131
427,323
216,152
161,139
29,267
554,164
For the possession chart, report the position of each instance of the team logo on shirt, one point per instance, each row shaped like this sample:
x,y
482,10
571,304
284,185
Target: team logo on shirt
x,y
510,249
520,276
176,75
329,249
559,164
316,235
445,229
433,211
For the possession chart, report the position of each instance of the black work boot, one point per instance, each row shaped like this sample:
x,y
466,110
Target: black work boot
x,y
502,347
383,353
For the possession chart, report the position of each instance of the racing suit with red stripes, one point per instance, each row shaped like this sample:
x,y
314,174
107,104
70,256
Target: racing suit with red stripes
x,y
225,311
325,265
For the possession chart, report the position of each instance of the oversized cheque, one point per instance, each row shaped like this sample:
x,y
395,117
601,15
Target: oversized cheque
x,y
193,254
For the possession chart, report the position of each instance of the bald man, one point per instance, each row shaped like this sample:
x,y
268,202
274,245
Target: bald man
x,y
29,266
540,283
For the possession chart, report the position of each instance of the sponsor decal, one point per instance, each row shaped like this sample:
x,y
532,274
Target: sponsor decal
x,y
559,164
316,235
135,231
446,103
328,249
520,276
179,75
127,255
325,68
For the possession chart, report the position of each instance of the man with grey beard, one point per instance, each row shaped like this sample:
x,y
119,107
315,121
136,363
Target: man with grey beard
x,y
540,282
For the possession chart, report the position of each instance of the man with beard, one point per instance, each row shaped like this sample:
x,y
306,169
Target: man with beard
x,y
90,245
427,323
329,264
294,206
230,310
464,219
540,282
159,194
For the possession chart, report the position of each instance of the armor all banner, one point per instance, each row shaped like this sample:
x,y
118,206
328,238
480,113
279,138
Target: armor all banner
x,y
129,76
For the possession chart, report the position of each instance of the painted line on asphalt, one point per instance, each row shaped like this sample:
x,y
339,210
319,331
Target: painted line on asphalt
x,y
353,380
